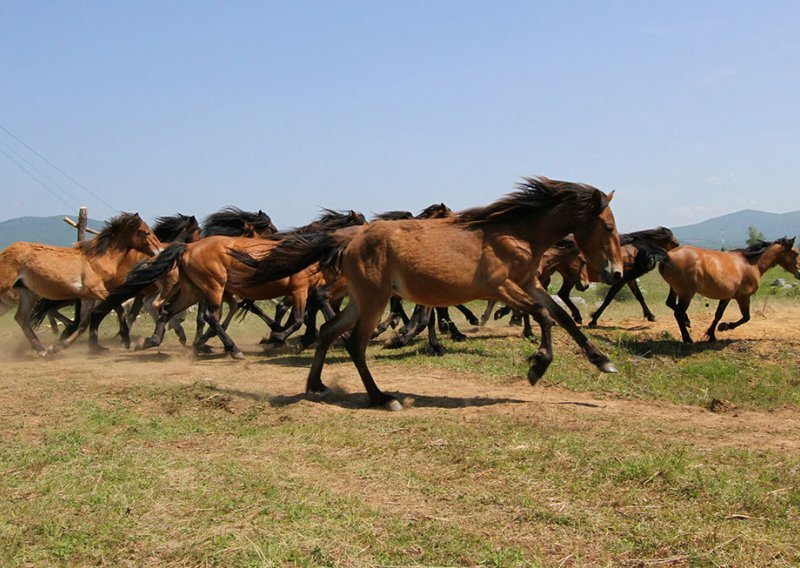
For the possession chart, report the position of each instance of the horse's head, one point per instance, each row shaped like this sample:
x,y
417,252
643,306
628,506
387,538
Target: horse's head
x,y
192,232
261,225
144,239
789,256
599,241
435,211
578,269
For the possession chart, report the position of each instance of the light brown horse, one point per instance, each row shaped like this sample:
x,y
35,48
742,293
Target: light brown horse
x,y
723,276
212,268
483,253
83,272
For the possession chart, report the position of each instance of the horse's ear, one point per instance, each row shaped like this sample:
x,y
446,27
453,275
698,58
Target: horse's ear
x,y
600,200
611,195
791,241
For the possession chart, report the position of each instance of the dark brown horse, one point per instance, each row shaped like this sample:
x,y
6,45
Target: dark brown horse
x,y
488,252
84,272
724,276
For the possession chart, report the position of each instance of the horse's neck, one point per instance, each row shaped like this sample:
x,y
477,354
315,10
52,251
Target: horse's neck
x,y
112,261
768,259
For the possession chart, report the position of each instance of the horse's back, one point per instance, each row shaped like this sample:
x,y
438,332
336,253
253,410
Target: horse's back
x,y
714,274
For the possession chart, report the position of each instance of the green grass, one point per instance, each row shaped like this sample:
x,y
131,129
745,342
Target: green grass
x,y
191,482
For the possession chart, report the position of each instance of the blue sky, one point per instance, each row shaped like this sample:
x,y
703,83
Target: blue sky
x,y
688,110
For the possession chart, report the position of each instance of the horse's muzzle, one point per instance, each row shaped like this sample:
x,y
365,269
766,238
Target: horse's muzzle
x,y
611,277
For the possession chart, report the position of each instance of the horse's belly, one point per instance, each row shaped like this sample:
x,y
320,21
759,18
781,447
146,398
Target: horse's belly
x,y
432,292
52,286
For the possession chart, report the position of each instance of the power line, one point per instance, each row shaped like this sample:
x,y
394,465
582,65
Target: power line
x,y
38,171
59,170
37,180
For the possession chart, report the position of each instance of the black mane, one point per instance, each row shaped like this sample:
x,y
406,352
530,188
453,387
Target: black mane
x,y
233,222
657,235
754,251
124,223
167,229
394,216
534,195
331,220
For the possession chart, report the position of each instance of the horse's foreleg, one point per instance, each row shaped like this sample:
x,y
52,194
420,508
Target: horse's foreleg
x,y
563,293
330,330
449,325
744,307
541,360
298,313
356,345
415,325
637,293
616,287
136,307
562,318
124,329
710,335
395,309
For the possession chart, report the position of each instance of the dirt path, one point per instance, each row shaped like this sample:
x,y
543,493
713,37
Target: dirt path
x,y
31,390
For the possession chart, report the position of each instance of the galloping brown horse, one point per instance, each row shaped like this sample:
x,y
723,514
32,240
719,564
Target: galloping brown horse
x,y
488,252
722,276
210,268
84,272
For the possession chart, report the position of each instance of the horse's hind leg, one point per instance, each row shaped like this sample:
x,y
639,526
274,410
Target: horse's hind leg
x,y
744,307
680,316
471,318
211,315
434,346
449,325
27,299
541,360
710,335
487,313
330,330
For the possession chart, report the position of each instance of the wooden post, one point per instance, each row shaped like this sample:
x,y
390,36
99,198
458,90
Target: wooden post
x,y
83,218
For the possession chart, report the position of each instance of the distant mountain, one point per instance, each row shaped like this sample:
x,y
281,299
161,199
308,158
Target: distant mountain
x,y
47,230
708,234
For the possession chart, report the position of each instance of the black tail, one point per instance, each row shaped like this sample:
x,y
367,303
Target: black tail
x,y
142,276
42,307
293,254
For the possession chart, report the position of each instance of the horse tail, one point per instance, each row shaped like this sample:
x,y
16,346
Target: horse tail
x,y
293,254
143,276
42,307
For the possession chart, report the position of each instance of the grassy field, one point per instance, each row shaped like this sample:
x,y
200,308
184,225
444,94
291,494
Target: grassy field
x,y
166,459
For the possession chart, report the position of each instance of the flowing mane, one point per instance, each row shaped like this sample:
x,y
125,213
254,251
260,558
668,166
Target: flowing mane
x,y
167,229
233,222
533,196
328,222
435,211
754,251
122,224
659,234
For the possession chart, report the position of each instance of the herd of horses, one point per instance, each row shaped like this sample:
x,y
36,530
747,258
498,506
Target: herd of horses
x,y
351,269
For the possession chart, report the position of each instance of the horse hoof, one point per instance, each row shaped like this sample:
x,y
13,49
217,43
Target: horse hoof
x,y
652,318
591,324
459,338
437,351
533,376
608,367
393,405
723,327
237,355
318,395
43,353
98,349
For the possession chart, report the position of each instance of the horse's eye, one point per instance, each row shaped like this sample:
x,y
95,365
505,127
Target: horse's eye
x,y
609,227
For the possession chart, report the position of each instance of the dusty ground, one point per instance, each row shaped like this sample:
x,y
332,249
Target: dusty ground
x,y
31,389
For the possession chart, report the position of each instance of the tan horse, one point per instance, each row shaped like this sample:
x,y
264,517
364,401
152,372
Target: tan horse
x,y
723,276
83,272
484,253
